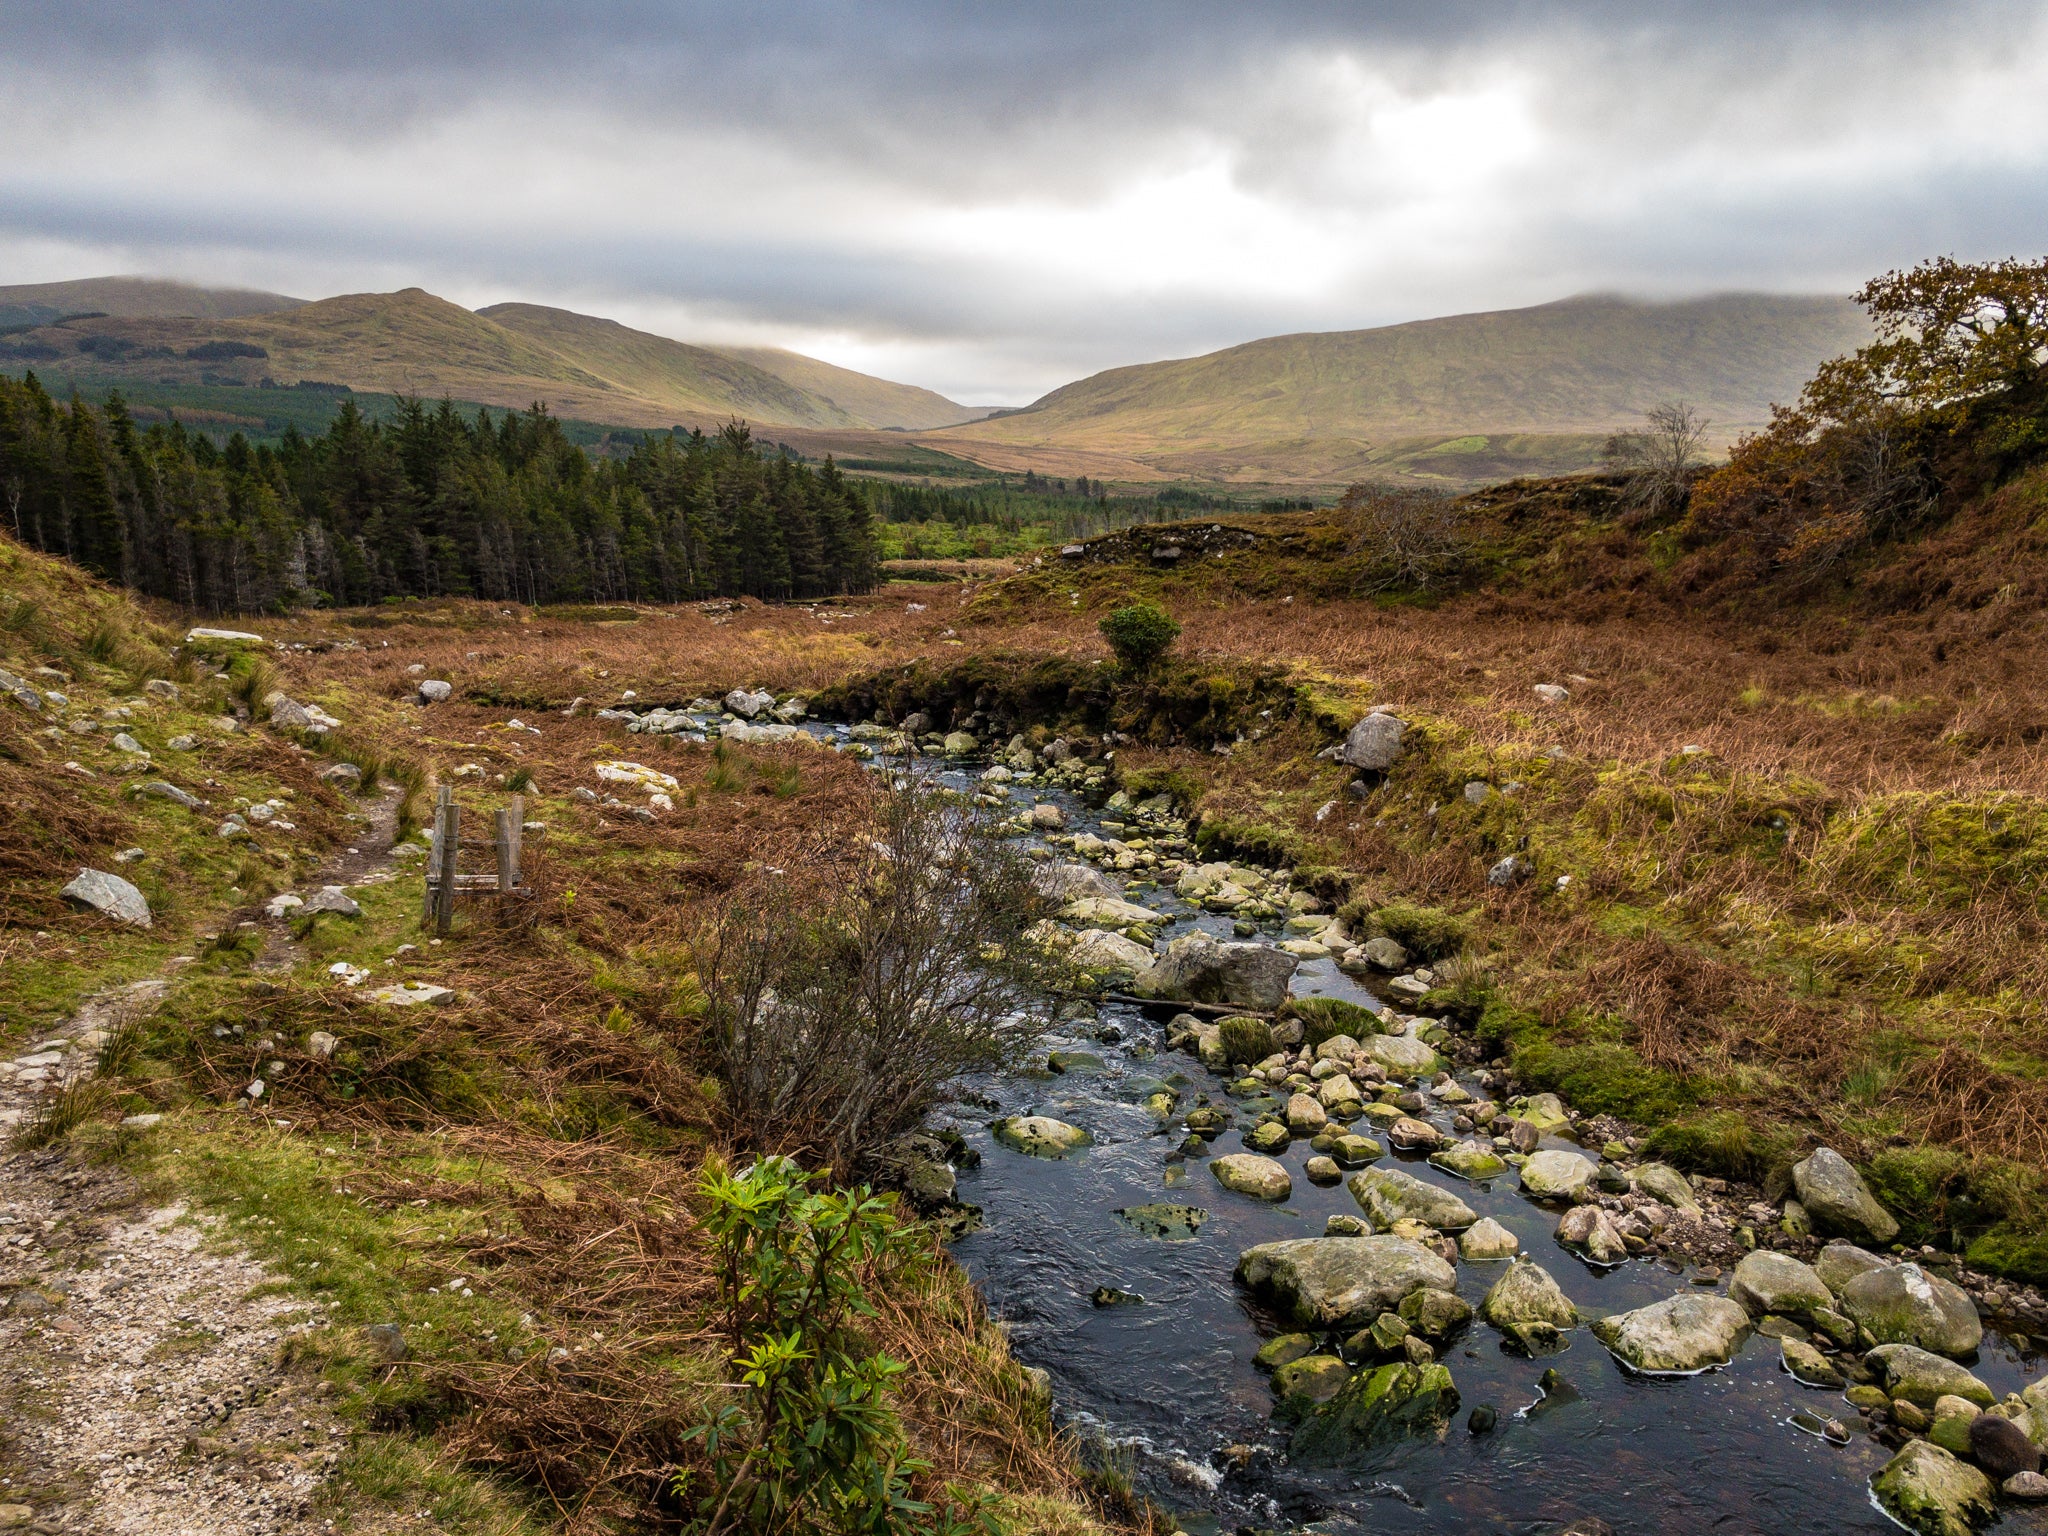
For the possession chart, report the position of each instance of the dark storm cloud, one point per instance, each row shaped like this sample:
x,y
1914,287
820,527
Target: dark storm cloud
x,y
1025,191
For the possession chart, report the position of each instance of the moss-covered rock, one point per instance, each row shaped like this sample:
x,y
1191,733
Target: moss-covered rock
x,y
1931,1492
1039,1135
1373,1407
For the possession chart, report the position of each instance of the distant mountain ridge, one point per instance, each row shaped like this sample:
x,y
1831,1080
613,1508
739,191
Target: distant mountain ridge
x,y
133,298
1339,404
412,342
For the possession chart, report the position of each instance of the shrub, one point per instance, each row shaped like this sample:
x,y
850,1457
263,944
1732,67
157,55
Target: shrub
x,y
839,1005
1139,635
812,1444
1246,1039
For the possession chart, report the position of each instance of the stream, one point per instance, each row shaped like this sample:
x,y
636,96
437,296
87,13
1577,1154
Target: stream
x,y
1167,1389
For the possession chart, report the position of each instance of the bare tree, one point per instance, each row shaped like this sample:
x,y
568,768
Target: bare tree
x,y
840,1008
1416,537
1657,461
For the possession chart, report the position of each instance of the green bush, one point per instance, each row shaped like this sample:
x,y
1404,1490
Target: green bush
x,y
812,1443
1323,1018
1246,1039
1139,635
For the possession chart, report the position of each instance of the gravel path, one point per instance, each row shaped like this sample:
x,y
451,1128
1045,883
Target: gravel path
x,y
143,1389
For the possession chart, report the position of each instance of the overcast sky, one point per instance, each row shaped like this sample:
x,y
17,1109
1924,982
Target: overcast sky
x,y
994,198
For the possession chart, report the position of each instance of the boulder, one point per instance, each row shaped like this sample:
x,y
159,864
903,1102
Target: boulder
x,y
435,691
342,775
1411,1135
1904,1304
1388,1195
1108,953
1589,1231
1931,1492
1306,1115
1776,1282
109,895
1197,968
222,636
1662,1182
1837,1200
1047,817
158,789
1373,1407
1487,1239
1068,881
1303,1384
1530,1307
18,690
1374,743
1400,1055
1919,1377
1340,1282
1039,1135
959,744
413,994
1173,1223
1434,1314
1469,1160
1247,1173
1277,1352
1107,912
1557,1175
332,898
1841,1262
1679,1335
2001,1447
1544,1111
1354,1151
750,705
1383,954
1807,1365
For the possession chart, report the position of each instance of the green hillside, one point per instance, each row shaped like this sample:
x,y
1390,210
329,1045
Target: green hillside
x,y
412,342
1328,406
131,298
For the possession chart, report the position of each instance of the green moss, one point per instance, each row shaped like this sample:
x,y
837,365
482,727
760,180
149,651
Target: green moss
x,y
1145,783
1246,1039
1427,933
1323,1018
1725,1143
1256,842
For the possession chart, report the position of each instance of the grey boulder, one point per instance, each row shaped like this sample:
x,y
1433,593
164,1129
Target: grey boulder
x,y
1920,1377
1679,1335
1340,1282
158,789
1388,1195
1766,1282
435,691
1196,968
1904,1304
1838,1201
1373,744
110,895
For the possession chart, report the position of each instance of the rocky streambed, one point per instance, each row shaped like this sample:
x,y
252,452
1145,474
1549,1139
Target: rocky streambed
x,y
1300,1257
1355,1283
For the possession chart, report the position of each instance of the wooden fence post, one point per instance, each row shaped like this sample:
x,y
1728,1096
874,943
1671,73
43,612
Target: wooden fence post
x,y
447,840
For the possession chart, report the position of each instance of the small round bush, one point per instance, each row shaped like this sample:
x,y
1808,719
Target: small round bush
x,y
1140,634
1246,1040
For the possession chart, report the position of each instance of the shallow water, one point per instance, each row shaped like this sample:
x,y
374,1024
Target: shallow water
x,y
1170,1383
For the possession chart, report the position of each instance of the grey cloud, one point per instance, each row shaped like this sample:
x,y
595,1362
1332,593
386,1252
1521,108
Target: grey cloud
x,y
1680,147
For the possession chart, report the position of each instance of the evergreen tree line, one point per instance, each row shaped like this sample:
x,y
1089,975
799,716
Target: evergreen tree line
x,y
433,503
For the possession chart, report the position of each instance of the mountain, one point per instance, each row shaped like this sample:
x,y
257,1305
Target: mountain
x,y
131,298
763,384
1508,391
412,342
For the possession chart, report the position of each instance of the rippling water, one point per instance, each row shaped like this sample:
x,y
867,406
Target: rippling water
x,y
1170,1383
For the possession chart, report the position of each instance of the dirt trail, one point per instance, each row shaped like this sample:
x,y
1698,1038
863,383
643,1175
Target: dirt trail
x,y
141,1389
